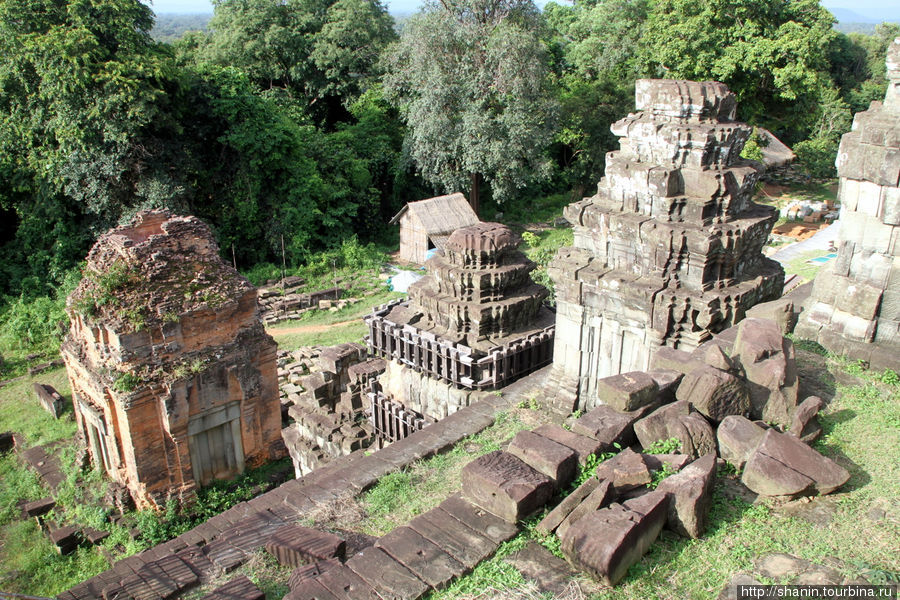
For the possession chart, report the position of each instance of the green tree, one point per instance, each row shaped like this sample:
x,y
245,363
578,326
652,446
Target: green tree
x,y
322,51
470,77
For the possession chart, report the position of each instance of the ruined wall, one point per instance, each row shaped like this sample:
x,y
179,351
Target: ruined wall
x,y
854,308
668,251
173,376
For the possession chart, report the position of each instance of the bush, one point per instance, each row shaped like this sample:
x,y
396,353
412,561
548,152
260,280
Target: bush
x,y
816,156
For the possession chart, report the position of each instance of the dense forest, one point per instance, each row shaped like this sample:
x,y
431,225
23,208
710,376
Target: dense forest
x,y
305,122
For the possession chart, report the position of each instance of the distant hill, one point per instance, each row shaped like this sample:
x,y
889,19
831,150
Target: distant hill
x,y
170,27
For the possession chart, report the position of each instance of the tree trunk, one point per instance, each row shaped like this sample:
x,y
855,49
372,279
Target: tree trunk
x,y
473,194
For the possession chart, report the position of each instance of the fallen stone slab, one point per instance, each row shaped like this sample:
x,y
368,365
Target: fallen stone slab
x,y
239,588
677,420
562,510
737,438
66,539
387,576
38,507
224,556
605,543
690,496
552,575
504,485
94,536
556,461
583,445
477,519
344,584
674,462
465,545
782,465
602,496
179,571
609,426
625,471
424,559
804,424
715,393
312,589
294,545
309,571
767,358
667,380
627,392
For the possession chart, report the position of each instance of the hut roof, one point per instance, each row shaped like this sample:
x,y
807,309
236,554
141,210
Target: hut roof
x,y
440,216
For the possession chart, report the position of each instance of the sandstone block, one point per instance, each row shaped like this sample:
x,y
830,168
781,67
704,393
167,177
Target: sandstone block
x,y
583,445
600,497
738,437
293,545
627,392
606,542
768,361
626,470
668,381
554,460
678,420
608,426
562,510
505,486
690,496
782,465
804,425
715,393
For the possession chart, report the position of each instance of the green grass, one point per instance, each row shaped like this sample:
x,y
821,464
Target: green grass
x,y
811,192
801,267
528,209
339,334
400,496
351,311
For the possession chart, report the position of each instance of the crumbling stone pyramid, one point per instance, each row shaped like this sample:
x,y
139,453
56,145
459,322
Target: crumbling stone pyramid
x,y
173,376
668,251
854,308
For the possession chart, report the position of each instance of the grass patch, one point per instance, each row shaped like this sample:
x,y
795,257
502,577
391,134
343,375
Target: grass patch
x,y
528,209
339,334
400,496
801,266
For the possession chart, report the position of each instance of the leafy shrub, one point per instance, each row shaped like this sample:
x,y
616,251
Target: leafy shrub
x,y
816,156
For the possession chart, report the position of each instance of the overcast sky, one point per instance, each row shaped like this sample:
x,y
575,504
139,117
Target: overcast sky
x,y
875,10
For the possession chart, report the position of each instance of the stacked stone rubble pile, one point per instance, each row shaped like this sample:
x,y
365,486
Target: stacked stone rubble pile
x,y
285,302
328,405
173,376
854,308
669,250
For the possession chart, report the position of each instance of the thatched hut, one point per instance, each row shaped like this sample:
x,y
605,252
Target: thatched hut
x,y
427,224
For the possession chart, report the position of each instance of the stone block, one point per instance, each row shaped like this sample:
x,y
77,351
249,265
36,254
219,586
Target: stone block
x,y
239,588
583,445
608,426
690,496
607,542
737,438
627,392
492,527
66,539
804,425
668,381
782,465
625,471
505,486
424,559
677,420
293,545
552,520
38,507
600,497
390,579
556,461
715,393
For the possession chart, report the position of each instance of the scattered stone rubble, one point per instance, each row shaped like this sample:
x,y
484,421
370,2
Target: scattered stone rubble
x,y
173,376
327,405
854,309
669,250
284,300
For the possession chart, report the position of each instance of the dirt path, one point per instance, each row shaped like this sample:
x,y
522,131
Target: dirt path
x,y
280,331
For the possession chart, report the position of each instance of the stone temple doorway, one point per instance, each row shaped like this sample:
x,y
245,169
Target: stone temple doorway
x,y
214,441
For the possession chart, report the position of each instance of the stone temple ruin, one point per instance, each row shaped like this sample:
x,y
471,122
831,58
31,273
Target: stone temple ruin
x,y
854,308
173,376
668,252
476,321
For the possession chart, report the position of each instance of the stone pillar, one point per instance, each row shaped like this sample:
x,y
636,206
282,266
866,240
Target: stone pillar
x,y
854,308
669,250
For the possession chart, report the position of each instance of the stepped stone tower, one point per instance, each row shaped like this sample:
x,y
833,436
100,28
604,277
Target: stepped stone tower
x,y
173,376
476,321
668,251
854,308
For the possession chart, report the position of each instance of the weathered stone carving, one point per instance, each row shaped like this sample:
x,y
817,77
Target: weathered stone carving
x,y
854,308
173,376
668,251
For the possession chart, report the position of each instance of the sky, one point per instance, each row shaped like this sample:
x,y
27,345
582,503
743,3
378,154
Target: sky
x,y
869,10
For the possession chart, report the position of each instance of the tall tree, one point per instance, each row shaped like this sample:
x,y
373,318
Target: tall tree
x,y
470,77
322,51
